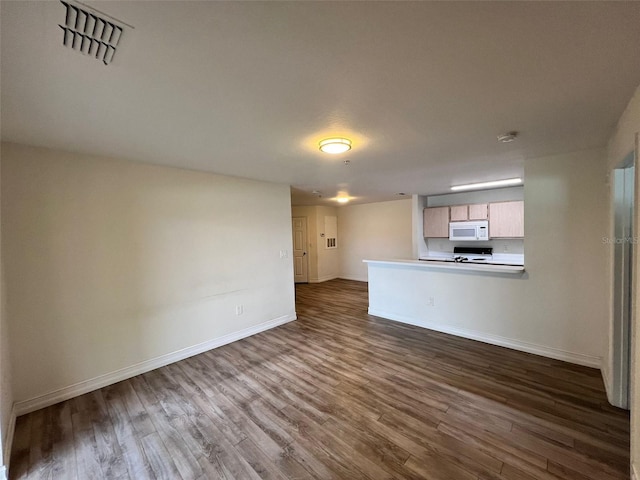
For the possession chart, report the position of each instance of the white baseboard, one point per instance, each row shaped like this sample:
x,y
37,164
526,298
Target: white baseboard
x,y
577,358
80,388
356,278
323,279
6,452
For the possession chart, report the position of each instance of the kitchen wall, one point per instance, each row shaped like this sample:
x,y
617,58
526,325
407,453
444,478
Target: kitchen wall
x,y
323,262
373,231
6,391
622,142
559,306
510,246
113,267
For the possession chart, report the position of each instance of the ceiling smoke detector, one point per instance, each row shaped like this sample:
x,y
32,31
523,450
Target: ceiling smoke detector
x,y
90,32
507,137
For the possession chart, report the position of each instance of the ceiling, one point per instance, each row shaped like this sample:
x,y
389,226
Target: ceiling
x,y
249,88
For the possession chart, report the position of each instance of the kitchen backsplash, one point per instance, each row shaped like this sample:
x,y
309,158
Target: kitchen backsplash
x,y
515,246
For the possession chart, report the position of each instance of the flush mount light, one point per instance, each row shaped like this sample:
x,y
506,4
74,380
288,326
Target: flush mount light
x,y
507,137
335,145
495,183
342,197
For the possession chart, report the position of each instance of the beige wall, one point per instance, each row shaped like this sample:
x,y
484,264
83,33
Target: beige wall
x,y
111,264
566,214
6,391
323,263
373,231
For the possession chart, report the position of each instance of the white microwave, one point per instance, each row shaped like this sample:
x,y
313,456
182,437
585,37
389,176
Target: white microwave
x,y
469,231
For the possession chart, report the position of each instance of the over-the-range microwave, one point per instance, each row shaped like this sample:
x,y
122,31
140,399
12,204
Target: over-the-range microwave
x,y
469,231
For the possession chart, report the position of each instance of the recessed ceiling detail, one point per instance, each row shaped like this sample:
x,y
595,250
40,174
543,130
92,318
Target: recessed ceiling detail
x,y
90,33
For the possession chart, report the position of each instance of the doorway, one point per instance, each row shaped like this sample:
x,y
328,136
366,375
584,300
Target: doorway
x,y
623,251
300,258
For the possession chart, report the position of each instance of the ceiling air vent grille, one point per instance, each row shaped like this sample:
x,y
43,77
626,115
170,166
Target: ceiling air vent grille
x,y
88,32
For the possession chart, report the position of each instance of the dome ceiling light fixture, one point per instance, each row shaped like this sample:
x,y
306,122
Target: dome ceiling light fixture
x,y
507,137
335,146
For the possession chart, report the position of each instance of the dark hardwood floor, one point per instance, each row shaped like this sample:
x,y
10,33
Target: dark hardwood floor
x,y
337,394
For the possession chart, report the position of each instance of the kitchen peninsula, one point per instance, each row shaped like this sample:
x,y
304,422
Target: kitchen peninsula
x,y
479,296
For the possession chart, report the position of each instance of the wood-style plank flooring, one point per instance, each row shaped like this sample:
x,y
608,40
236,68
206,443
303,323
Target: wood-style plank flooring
x,y
337,394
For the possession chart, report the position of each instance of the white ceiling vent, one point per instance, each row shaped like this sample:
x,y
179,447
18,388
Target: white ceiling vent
x,y
90,32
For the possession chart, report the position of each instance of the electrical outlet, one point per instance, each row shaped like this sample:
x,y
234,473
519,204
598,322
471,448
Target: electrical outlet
x,y
505,247
239,309
431,302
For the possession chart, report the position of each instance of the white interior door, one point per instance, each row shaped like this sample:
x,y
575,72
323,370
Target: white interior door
x,y
300,257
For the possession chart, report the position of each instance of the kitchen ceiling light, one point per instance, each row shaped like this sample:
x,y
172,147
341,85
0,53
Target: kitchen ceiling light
x,y
335,145
343,199
495,183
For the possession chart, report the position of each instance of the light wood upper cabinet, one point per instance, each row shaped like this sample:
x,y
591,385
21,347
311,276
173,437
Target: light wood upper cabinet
x,y
459,213
506,220
463,213
436,222
478,211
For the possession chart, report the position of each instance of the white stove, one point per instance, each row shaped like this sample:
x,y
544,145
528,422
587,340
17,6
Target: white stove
x,y
475,255
472,254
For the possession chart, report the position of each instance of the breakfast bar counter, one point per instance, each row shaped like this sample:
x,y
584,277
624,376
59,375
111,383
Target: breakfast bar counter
x,y
454,266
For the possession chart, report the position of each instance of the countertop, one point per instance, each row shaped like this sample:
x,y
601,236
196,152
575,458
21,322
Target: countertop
x,y
440,263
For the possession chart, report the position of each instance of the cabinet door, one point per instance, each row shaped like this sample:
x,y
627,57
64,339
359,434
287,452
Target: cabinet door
x,y
436,222
506,220
478,211
459,213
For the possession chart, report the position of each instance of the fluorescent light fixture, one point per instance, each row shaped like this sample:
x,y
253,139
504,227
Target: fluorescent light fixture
x,y
495,183
335,145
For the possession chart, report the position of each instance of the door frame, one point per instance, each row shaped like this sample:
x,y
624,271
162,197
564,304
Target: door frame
x,y
624,228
